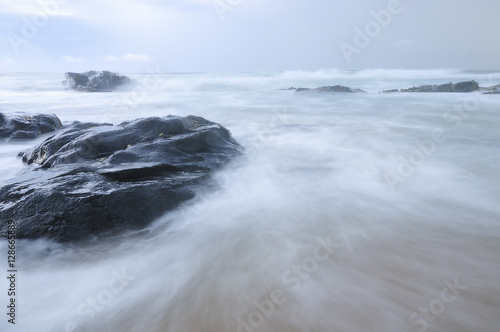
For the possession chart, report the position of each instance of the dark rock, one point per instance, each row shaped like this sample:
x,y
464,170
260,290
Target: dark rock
x,y
93,179
93,81
497,92
422,88
27,126
329,89
390,91
449,87
76,81
467,86
107,81
91,73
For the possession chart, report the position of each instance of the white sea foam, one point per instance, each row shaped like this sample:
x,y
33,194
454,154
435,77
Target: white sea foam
x,y
317,169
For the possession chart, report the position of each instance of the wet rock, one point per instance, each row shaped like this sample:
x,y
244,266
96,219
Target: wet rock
x,y
27,126
329,89
467,86
93,81
93,179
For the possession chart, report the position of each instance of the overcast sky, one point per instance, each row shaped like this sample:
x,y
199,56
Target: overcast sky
x,y
247,35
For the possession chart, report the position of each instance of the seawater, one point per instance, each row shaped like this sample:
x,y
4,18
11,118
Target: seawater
x,y
352,212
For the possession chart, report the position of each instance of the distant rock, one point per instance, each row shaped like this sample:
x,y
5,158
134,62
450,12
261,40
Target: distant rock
x,y
93,81
491,90
329,89
467,86
27,126
93,179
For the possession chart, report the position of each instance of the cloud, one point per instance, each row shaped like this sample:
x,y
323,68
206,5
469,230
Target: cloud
x,y
74,60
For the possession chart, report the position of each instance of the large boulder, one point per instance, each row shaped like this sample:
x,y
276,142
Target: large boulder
x,y
27,126
93,179
93,81
328,89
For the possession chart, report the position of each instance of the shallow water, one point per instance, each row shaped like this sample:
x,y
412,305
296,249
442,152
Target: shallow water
x,y
347,212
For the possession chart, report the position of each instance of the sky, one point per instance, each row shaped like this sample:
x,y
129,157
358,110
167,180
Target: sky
x,y
247,35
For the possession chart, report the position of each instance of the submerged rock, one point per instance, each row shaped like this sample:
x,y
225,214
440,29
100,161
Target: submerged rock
x,y
467,86
93,81
93,179
27,126
329,89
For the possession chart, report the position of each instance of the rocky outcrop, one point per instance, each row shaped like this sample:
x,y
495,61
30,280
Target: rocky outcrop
x,y
328,89
27,126
92,179
467,86
492,90
93,81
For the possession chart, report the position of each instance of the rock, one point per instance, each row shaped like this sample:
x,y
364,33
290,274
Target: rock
x,y
390,91
107,81
329,89
76,81
449,87
94,179
27,126
491,90
467,86
93,81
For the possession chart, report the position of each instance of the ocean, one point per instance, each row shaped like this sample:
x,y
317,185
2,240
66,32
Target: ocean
x,y
347,212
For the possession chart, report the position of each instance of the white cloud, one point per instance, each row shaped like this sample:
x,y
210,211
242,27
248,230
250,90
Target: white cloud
x,y
74,60
9,60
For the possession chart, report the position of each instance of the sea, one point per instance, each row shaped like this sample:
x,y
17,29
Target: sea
x,y
346,212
